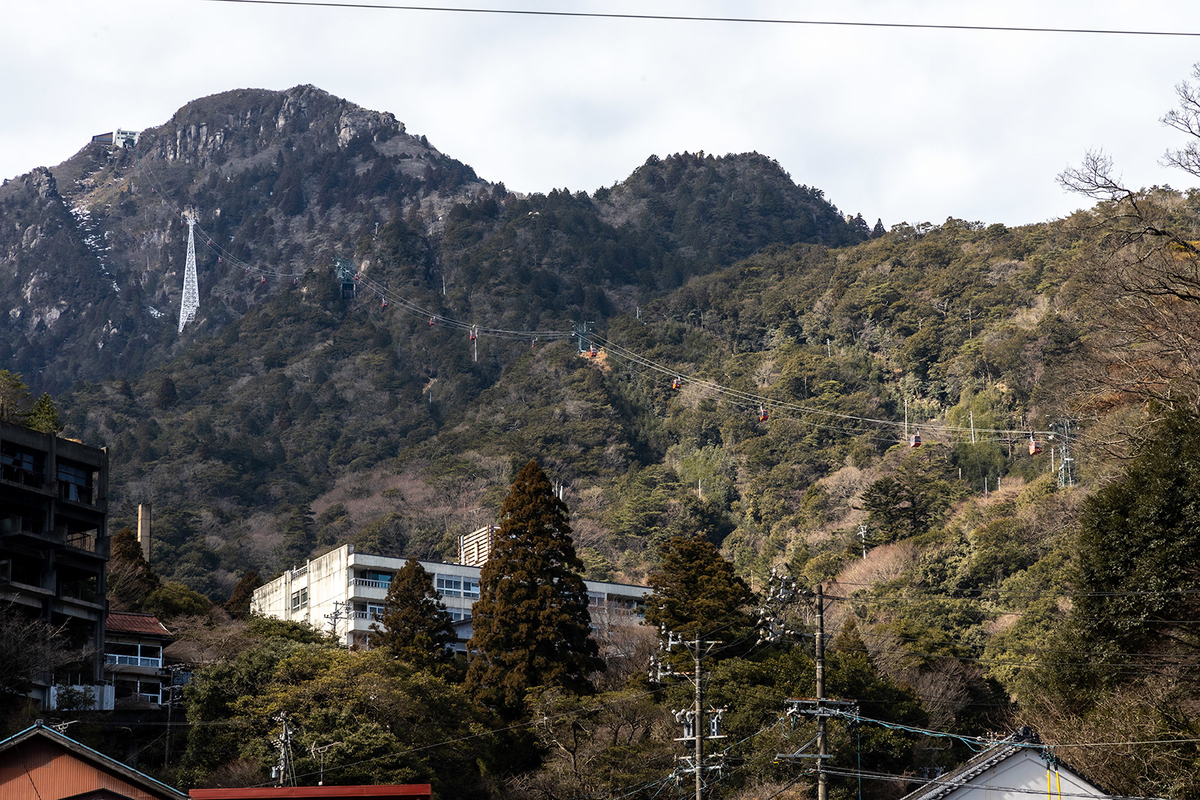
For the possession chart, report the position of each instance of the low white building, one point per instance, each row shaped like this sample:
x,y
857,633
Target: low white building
x,y
1017,768
343,592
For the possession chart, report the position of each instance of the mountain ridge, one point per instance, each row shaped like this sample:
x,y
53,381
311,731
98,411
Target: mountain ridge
x,y
287,181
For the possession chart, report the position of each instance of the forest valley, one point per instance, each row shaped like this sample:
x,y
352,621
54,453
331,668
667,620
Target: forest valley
x,y
763,366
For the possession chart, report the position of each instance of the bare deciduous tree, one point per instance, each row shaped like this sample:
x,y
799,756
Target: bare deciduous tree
x,y
1142,270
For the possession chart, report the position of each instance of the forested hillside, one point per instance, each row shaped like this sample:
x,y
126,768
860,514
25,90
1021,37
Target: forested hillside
x,y
706,347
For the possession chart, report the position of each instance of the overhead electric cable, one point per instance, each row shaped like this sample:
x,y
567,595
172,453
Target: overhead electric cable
x,y
698,18
737,397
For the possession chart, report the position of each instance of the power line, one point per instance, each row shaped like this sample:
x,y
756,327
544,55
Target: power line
x,y
950,783
735,397
696,18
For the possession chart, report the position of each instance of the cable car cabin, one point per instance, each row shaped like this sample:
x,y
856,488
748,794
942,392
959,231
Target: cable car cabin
x,y
915,440
592,351
677,383
474,335
763,414
264,279
384,303
1035,446
431,320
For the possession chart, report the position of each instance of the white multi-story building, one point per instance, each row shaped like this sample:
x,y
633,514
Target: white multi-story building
x,y
343,592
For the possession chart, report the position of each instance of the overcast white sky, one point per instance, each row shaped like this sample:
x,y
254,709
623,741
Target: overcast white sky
x,y
906,125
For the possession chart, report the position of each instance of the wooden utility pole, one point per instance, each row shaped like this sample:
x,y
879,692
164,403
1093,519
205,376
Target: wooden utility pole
x,y
822,788
699,708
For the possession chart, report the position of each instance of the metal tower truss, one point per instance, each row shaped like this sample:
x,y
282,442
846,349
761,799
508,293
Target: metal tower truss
x,y
191,288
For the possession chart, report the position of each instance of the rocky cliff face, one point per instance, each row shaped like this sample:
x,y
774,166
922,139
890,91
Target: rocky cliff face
x,y
92,251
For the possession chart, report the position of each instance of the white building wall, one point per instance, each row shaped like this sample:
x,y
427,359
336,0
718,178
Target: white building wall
x,y
354,586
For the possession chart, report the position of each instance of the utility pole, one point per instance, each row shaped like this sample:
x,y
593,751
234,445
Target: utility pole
x,y
862,537
820,707
319,754
1066,463
174,693
693,719
284,772
341,611
822,788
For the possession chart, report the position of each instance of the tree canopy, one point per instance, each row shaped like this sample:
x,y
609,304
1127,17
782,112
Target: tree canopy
x,y
415,625
696,591
531,621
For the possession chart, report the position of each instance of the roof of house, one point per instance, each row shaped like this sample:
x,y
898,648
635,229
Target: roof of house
x,y
411,791
965,775
38,732
132,622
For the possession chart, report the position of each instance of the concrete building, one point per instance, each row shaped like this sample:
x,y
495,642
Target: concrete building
x,y
118,138
343,592
54,545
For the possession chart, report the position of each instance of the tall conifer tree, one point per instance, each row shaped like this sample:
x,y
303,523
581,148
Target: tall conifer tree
x,y
238,604
696,592
415,625
531,622
43,417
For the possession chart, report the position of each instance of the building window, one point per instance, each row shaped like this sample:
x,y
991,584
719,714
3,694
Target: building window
x,y
374,611
458,614
299,599
146,689
470,588
74,482
133,655
21,466
452,586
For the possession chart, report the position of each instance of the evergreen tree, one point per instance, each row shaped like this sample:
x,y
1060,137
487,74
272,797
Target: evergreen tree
x,y
43,416
415,625
238,604
1138,550
14,396
532,626
166,395
911,500
130,580
298,534
696,592
878,230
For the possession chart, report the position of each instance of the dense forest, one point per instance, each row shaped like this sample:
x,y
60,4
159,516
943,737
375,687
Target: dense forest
x,y
727,376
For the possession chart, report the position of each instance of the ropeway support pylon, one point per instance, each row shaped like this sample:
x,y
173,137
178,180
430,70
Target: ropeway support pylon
x,y
191,288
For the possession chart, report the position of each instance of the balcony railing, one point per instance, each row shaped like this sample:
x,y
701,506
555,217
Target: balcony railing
x,y
133,661
370,584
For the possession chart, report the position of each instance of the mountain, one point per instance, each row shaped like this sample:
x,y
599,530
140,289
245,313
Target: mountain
x,y
762,373
93,258
282,185
284,182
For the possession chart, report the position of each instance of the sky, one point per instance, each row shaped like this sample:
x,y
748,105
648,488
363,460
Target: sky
x,y
899,124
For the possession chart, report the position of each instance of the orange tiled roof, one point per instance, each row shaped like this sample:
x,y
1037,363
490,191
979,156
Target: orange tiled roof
x,y
131,622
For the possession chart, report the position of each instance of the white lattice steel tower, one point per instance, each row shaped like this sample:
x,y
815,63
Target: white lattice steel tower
x,y
191,289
